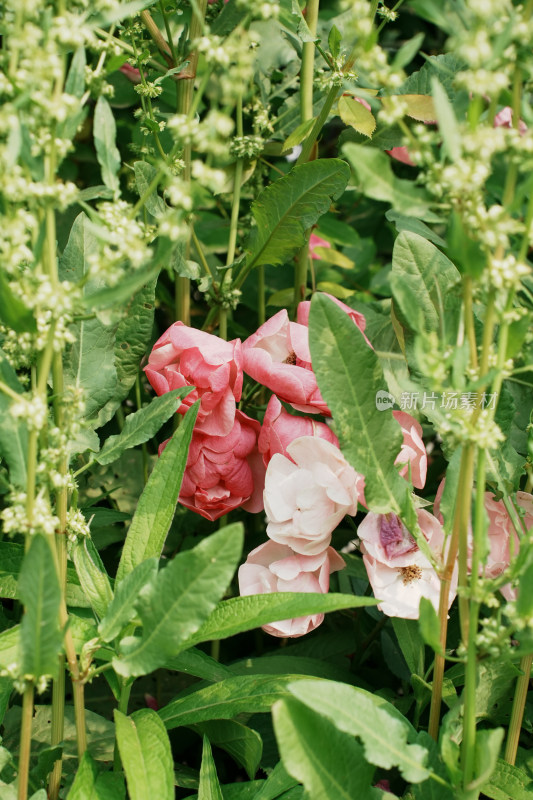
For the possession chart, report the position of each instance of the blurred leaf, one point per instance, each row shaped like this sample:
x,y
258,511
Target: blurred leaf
x,y
243,744
277,783
146,756
488,745
13,312
408,51
142,425
92,575
92,784
157,504
429,624
122,607
508,782
13,433
40,635
298,135
105,132
209,788
420,107
330,764
287,208
444,67
448,126
144,174
196,662
463,250
174,605
355,114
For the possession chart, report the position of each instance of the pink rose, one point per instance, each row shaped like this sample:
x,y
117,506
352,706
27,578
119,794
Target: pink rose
x,y
307,497
399,573
413,450
224,472
357,318
132,73
184,356
273,567
316,241
401,154
504,119
280,428
277,355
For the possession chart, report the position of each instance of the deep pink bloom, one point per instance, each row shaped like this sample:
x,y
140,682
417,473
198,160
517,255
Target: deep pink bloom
x,y
413,451
274,567
132,73
184,356
401,154
224,472
316,241
280,428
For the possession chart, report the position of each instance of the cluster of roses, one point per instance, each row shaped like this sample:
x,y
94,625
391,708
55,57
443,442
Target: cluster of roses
x,y
291,466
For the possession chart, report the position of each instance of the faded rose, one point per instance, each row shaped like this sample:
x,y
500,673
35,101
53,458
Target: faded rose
x,y
224,472
413,450
280,428
274,567
306,498
399,573
185,356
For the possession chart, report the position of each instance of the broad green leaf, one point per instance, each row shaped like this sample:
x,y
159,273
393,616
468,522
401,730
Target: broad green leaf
x,y
354,113
444,67
488,745
13,313
411,643
298,135
245,613
9,647
382,730
278,664
463,249
209,788
116,296
75,82
142,425
157,504
405,223
11,560
429,624
420,107
243,744
13,433
105,132
330,764
421,279
287,208
146,756
509,782
174,605
92,575
448,127
291,17
92,784
195,662
90,361
6,688
408,51
334,41
40,634
349,377
375,179
122,607
144,175
226,699
278,782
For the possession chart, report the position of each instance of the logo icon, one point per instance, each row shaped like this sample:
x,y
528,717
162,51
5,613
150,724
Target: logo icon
x,y
384,400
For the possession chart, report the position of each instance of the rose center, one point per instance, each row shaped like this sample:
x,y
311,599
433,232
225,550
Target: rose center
x,y
410,574
291,358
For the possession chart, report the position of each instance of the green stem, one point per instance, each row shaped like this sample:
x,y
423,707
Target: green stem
x,y
123,708
517,713
25,742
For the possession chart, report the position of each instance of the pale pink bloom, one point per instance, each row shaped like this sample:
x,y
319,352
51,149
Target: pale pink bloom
x,y
316,241
504,119
413,450
399,573
185,356
280,428
363,103
401,154
274,567
224,472
306,498
132,73
305,306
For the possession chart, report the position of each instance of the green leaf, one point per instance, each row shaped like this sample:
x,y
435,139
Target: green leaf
x,y
349,377
209,788
408,51
225,699
488,745
524,602
420,107
40,634
404,223
9,647
291,17
13,433
243,744
382,729
411,644
463,250
421,279
448,126
508,782
287,208
121,609
330,764
174,605
334,41
144,175
146,756
155,510
75,83
13,313
429,624
92,784
105,132
11,560
93,576
298,135
444,67
245,613
355,114
375,179
90,361
278,782
142,425
196,662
